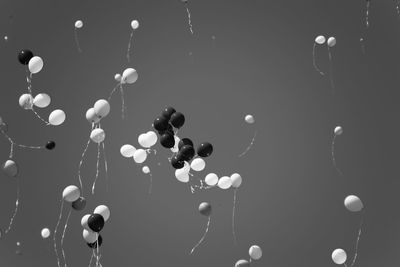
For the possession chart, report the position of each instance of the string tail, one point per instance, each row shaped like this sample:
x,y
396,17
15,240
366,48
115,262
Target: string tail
x,y
367,14
250,145
15,210
333,156
39,117
97,169
55,233
62,239
233,217
77,40
151,183
113,91
203,237
105,164
357,243
128,52
189,19
314,60
123,107
331,70
81,163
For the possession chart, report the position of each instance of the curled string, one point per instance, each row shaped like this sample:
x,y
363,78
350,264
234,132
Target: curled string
x,y
331,70
29,81
314,60
62,238
105,164
129,47
77,40
250,145
97,169
39,117
333,156
367,14
81,163
189,18
15,210
112,92
233,217
203,237
357,242
55,233
123,107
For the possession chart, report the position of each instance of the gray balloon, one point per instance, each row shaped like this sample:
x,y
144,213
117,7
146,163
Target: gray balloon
x,y
10,168
242,263
205,209
79,204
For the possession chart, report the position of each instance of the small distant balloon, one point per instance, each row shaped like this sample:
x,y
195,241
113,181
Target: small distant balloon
x,y
10,168
102,108
198,164
45,233
140,156
331,41
236,180
91,116
249,119
6,38
97,135
57,117
339,256
50,145
24,56
118,77
35,64
130,75
353,203
320,39
242,263
78,24
205,209
211,179
255,252
135,24
42,100
338,130
146,169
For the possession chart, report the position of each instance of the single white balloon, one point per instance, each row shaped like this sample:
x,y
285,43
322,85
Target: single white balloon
x,y
118,77
175,149
140,156
135,24
130,75
142,140
224,182
57,117
198,164
35,64
71,193
320,39
78,24
151,138
249,119
338,130
211,179
127,151
182,175
26,101
89,236
146,169
242,263
97,135
331,41
236,180
102,108
339,256
353,203
104,211
45,233
42,100
84,222
255,252
91,116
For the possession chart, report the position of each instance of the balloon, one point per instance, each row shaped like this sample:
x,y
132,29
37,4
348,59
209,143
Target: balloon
x,y
57,117
97,135
177,120
78,24
135,24
50,145
242,263
84,221
353,203
129,75
79,204
94,244
26,101
167,140
182,175
45,233
338,130
176,163
96,222
205,209
101,108
331,41
339,256
169,130
186,153
167,112
89,236
249,119
10,168
146,169
185,141
160,123
118,77
151,138
35,64
224,182
204,150
104,211
24,56
140,156
175,149
198,164
211,179
236,180
320,39
91,116
142,140
71,193
42,100
127,150
255,252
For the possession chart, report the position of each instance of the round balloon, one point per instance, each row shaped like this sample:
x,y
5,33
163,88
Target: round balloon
x,y
182,175
236,180
35,64
338,130
224,182
24,56
242,263
142,140
50,145
249,119
129,75
96,222
255,252
127,151
211,179
353,203
79,204
205,209
177,120
167,140
331,41
89,236
118,77
78,24
140,156
26,101
42,100
146,169
184,142
205,149
167,112
135,24
97,135
71,193
10,168
91,116
176,163
57,117
339,256
198,164
101,108
104,211
84,222
320,39
160,123
186,153
151,138
45,233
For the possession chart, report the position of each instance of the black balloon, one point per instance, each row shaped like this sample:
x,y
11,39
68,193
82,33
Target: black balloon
x,y
167,140
177,120
50,145
167,112
160,123
79,204
169,130
96,222
186,153
24,56
204,150
176,163
184,141
94,244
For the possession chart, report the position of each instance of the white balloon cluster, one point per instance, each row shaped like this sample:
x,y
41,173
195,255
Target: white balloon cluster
x,y
93,115
129,76
183,174
145,140
255,253
331,42
225,182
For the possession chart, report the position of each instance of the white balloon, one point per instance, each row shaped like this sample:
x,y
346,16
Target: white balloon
x,y
353,203
127,151
331,41
78,24
71,193
146,169
135,24
224,182
129,75
211,179
236,180
339,256
140,156
255,252
84,222
10,168
338,130
26,101
45,233
57,117
151,138
35,64
175,149
97,135
142,140
198,164
89,236
182,175
118,77
104,211
91,116
42,100
242,263
102,108
320,39
249,119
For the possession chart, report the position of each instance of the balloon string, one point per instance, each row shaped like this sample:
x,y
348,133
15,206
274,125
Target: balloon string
x,y
77,40
97,248
314,61
15,210
251,144
344,264
331,70
97,168
333,156
189,19
29,81
11,151
63,236
112,92
39,117
151,183
105,164
362,45
123,107
358,240
367,14
81,163
55,233
129,47
91,258
233,217
12,143
203,237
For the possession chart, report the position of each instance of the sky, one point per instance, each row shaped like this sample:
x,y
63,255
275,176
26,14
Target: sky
x,y
244,57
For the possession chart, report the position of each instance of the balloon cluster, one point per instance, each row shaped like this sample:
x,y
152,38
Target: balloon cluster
x,y
331,42
255,253
134,26
129,76
224,182
92,225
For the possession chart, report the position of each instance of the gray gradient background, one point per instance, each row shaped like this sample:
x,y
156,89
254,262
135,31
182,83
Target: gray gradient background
x,y
291,201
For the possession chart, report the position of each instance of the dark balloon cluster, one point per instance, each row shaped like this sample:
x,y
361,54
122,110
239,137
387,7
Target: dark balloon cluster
x,y
93,224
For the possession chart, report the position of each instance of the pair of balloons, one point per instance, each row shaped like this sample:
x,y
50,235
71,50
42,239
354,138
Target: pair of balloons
x,y
183,174
148,139
225,182
93,224
255,253
129,76
72,194
169,118
42,100
129,151
35,63
331,42
100,110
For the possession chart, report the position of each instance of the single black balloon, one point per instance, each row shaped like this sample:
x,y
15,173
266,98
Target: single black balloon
x,y
176,163
96,222
186,153
24,56
160,123
79,204
169,130
205,149
94,244
167,140
167,112
177,120
184,141
50,145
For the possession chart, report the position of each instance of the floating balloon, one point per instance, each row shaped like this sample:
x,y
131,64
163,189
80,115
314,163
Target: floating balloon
x,y
331,41
320,39
45,233
182,175
205,209
140,156
84,222
160,123
186,153
96,222
134,24
90,237
211,179
151,138
102,108
255,252
97,135
167,112
50,145
185,141
224,182
10,168
91,116
353,203
42,100
339,256
198,164
176,163
104,211
79,204
78,24
26,101
129,76
338,130
146,169
236,180
71,193
57,117
204,150
242,263
177,120
35,64
249,119
167,140
118,77
127,151
25,56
